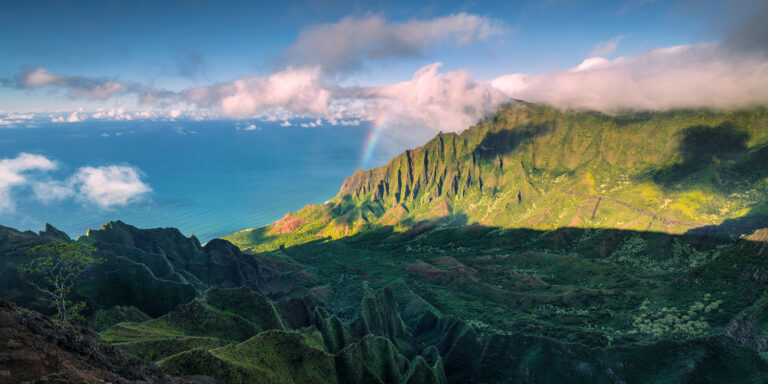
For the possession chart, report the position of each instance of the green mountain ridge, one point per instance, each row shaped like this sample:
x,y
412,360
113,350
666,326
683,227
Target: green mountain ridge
x,y
533,166
226,336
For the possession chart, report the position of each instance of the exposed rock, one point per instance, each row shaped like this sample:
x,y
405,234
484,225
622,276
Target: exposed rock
x,y
35,348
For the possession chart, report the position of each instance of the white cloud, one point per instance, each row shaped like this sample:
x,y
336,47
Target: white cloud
x,y
51,190
686,76
299,90
109,186
449,101
606,48
14,172
347,43
74,117
285,123
78,86
20,116
38,77
104,186
117,114
15,119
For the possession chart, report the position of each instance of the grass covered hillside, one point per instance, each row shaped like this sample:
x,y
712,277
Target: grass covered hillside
x,y
533,166
239,336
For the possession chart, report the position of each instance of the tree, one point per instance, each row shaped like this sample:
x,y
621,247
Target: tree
x,y
55,269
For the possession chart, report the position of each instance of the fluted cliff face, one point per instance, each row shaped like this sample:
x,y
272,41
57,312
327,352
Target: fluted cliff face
x,y
452,164
534,166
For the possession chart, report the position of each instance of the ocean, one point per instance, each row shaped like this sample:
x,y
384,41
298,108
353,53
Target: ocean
x,y
208,178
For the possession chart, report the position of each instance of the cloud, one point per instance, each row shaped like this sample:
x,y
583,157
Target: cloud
x,y
52,190
448,102
14,172
14,119
347,123
74,117
606,48
299,90
688,76
345,44
312,124
104,186
115,114
78,86
109,186
248,127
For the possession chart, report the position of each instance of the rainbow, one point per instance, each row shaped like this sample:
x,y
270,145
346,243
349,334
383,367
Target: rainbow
x,y
373,138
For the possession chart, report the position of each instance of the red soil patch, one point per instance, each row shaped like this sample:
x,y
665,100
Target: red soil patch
x,y
287,224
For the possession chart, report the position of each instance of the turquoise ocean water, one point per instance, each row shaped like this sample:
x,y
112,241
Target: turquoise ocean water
x,y
207,178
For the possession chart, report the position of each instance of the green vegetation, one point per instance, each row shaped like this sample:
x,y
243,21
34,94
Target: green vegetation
x,y
237,335
533,166
53,272
615,233
536,246
106,318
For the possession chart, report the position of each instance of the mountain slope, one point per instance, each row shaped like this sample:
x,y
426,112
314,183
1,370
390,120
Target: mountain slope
x,y
153,270
532,166
237,335
40,350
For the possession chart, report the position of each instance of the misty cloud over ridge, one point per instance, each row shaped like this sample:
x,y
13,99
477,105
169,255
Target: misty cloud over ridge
x,y
689,76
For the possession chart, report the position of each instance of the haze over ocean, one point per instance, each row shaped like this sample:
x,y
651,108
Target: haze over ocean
x,y
208,178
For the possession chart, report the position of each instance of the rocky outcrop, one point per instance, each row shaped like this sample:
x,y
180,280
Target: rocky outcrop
x,y
37,349
175,257
750,327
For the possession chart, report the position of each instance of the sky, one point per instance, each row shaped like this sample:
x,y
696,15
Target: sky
x,y
408,69
368,60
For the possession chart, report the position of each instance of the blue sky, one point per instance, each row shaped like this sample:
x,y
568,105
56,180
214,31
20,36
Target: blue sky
x,y
177,45
343,60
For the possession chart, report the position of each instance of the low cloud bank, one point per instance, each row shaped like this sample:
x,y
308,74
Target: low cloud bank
x,y
704,75
688,76
297,90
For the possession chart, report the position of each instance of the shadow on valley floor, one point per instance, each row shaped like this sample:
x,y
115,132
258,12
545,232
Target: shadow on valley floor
x,y
587,287
492,303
